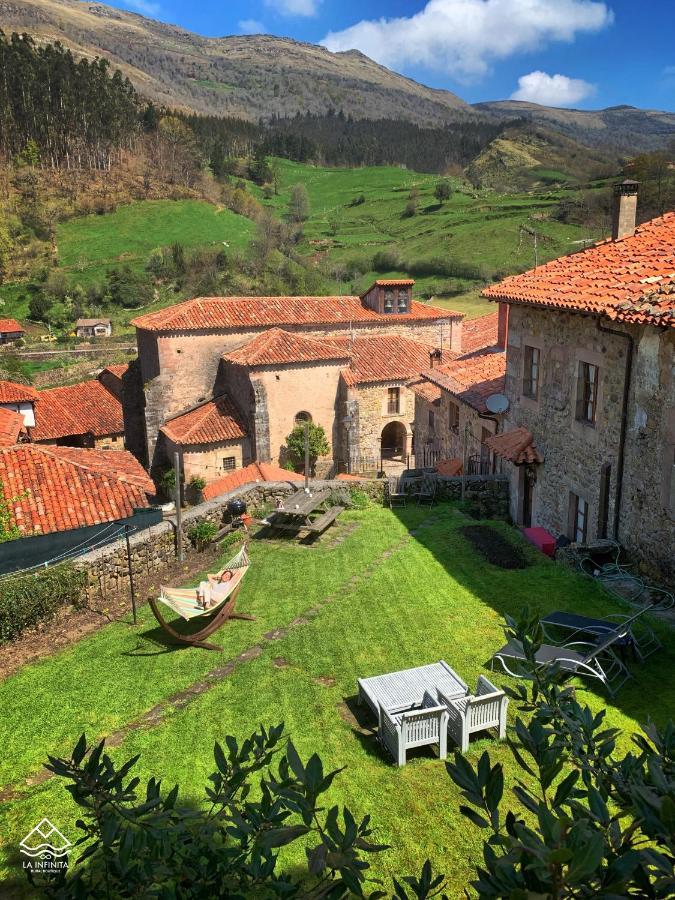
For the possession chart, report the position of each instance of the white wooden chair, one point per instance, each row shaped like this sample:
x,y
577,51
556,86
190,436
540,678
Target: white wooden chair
x,y
476,712
401,732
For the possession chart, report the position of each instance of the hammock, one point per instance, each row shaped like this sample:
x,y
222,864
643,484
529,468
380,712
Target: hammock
x,y
187,602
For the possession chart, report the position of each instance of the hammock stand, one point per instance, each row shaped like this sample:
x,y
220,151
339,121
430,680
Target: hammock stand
x,y
184,602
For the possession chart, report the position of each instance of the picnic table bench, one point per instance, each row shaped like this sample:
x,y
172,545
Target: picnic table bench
x,y
298,513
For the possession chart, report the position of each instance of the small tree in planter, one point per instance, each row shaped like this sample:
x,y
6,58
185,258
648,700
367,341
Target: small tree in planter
x,y
318,445
196,486
203,533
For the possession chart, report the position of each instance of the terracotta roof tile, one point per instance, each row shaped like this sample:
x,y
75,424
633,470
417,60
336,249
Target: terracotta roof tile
x,y
480,333
614,278
58,488
83,408
516,446
425,389
248,475
11,426
386,357
13,392
217,313
10,326
278,347
211,422
471,378
117,369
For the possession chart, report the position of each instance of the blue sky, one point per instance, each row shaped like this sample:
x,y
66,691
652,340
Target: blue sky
x,y
582,53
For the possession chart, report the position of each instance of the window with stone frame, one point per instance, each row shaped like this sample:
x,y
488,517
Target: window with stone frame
x,y
587,393
393,401
389,301
578,519
229,463
531,372
453,416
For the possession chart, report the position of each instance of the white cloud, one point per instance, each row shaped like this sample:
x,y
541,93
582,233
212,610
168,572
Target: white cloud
x,y
294,7
463,37
145,7
251,26
552,90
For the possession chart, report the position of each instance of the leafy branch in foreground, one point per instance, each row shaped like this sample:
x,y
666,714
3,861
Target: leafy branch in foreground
x,y
143,842
590,823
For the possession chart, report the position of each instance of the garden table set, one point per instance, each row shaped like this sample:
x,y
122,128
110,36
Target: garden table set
x,y
421,706
304,511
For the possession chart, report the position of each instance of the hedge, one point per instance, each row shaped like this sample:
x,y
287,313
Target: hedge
x,y
27,600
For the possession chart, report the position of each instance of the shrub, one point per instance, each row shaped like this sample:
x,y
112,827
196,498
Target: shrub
x,y
202,534
410,210
358,200
27,600
358,499
198,483
231,538
386,260
318,445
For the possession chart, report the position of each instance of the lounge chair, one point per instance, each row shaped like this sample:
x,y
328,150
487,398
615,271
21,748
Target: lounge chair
x,y
476,712
400,732
395,492
637,635
427,491
576,658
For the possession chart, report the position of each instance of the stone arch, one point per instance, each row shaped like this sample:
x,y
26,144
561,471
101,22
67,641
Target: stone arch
x,y
394,440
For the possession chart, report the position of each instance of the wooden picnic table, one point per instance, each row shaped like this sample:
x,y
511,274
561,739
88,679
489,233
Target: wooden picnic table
x,y
301,504
399,691
296,512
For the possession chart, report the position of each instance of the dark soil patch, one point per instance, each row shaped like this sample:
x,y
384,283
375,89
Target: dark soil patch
x,y
326,680
280,662
495,548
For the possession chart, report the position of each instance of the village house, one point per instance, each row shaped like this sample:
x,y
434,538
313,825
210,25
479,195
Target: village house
x,y
590,380
10,331
19,398
279,360
89,328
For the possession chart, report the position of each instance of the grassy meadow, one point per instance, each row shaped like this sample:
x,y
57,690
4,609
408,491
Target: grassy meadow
x,y
382,590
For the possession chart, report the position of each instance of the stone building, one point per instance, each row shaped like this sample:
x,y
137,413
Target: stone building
x,y
197,350
590,376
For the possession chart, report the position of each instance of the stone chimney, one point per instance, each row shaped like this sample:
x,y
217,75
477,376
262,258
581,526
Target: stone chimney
x,y
624,214
503,326
435,356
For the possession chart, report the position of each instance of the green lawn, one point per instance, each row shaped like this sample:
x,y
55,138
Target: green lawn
x,y
89,245
405,588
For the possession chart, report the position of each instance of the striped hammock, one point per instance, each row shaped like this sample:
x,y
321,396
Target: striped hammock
x,y
185,601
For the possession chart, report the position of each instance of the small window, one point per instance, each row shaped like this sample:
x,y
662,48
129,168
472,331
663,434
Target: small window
x,y
302,417
453,416
389,301
432,420
587,393
531,373
578,519
229,463
403,301
393,400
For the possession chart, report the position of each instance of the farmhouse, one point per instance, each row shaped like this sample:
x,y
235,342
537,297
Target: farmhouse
x,y
87,328
10,331
279,360
590,377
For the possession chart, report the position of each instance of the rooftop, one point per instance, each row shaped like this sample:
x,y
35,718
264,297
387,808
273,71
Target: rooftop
x,y
211,422
83,408
13,392
249,474
278,347
471,378
84,323
385,357
516,446
216,313
479,333
9,326
119,370
51,489
628,280
11,426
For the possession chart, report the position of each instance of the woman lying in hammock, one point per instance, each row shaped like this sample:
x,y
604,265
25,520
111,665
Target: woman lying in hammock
x,y
211,591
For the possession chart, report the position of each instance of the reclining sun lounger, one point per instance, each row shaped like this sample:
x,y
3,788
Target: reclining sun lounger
x,y
577,658
642,639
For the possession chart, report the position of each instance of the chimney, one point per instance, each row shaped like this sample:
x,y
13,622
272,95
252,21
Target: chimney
x,y
503,326
624,214
435,355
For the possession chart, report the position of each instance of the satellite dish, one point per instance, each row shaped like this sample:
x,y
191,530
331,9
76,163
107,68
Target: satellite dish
x,y
497,403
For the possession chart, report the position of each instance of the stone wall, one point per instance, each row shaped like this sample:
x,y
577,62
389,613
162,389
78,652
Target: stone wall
x,y
446,436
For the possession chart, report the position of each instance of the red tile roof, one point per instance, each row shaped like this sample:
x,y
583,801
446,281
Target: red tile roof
x,y
211,422
425,389
613,278
83,408
385,357
278,347
480,333
218,313
11,426
390,282
248,475
516,446
13,392
471,378
58,488
10,326
117,369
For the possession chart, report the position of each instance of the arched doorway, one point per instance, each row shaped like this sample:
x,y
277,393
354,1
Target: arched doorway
x,y
393,442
